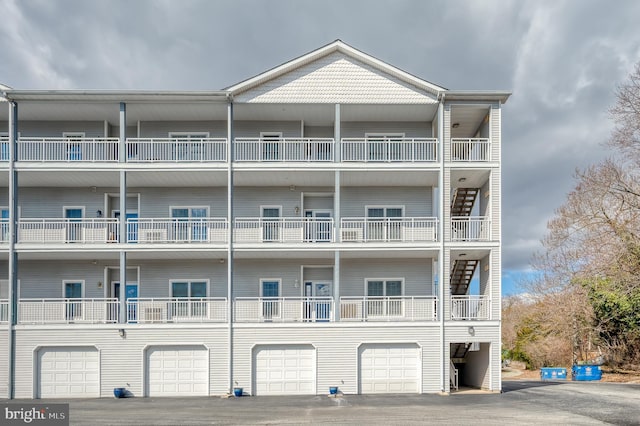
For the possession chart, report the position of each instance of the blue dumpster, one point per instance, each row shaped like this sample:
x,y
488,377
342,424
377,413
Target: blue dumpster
x,y
586,372
553,373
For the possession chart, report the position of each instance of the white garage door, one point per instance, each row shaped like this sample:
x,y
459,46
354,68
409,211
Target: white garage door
x,y
285,370
66,372
177,370
389,368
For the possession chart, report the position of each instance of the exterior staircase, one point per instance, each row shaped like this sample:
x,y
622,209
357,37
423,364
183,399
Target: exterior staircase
x,y
463,200
461,275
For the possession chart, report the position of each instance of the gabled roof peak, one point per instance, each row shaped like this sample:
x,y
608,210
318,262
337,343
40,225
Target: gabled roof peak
x,y
335,46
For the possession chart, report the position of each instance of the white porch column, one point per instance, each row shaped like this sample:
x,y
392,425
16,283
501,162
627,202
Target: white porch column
x,y
230,156
122,226
13,256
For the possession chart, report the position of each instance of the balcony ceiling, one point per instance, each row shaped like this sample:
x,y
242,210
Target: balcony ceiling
x,y
472,178
469,118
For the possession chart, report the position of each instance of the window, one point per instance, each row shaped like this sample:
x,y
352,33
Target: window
x,y
384,223
4,146
270,293
73,294
73,223
384,297
270,223
188,146
190,223
73,142
189,298
4,224
385,147
271,143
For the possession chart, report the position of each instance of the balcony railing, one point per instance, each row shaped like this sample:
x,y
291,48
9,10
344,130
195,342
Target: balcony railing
x,y
389,229
171,310
50,231
65,311
283,230
389,149
285,149
176,150
470,149
4,311
392,308
67,149
174,230
470,308
284,309
4,148
470,228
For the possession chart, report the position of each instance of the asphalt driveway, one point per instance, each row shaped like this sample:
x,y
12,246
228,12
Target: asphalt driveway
x,y
522,402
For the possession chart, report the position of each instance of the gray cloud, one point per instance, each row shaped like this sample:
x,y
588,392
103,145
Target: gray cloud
x,y
561,59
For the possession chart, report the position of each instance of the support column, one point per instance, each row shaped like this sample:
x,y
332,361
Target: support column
x,y
122,226
230,240
13,256
441,258
337,214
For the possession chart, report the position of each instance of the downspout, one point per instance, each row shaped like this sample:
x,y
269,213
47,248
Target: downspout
x,y
230,237
13,256
441,213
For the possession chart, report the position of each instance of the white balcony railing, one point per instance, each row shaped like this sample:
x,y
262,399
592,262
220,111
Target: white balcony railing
x,y
389,149
68,149
392,308
4,148
284,309
65,311
470,149
470,228
389,229
174,230
86,231
284,149
283,230
4,311
167,310
176,150
470,308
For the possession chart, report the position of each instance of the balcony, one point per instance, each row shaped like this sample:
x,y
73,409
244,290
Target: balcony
x,y
4,311
71,150
67,311
308,150
470,228
470,149
4,148
395,308
470,308
173,230
176,310
284,309
176,150
371,150
389,229
283,230
60,231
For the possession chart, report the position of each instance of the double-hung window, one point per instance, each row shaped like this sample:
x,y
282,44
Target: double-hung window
x,y
189,298
386,146
271,146
73,145
188,146
189,223
384,297
384,223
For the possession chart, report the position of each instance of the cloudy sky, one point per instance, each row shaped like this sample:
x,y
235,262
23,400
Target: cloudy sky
x,y
562,60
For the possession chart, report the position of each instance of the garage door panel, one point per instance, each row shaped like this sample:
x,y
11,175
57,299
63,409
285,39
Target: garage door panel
x,y
389,368
284,370
182,372
68,372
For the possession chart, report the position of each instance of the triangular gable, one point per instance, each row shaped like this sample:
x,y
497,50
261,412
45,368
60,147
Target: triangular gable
x,y
335,73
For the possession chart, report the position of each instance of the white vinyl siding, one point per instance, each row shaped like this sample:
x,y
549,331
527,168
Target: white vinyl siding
x,y
415,200
163,129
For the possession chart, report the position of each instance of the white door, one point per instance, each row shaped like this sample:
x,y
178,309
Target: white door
x,y
389,368
66,372
285,370
177,371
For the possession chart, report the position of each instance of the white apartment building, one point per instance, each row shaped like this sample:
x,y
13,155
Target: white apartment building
x,y
334,221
